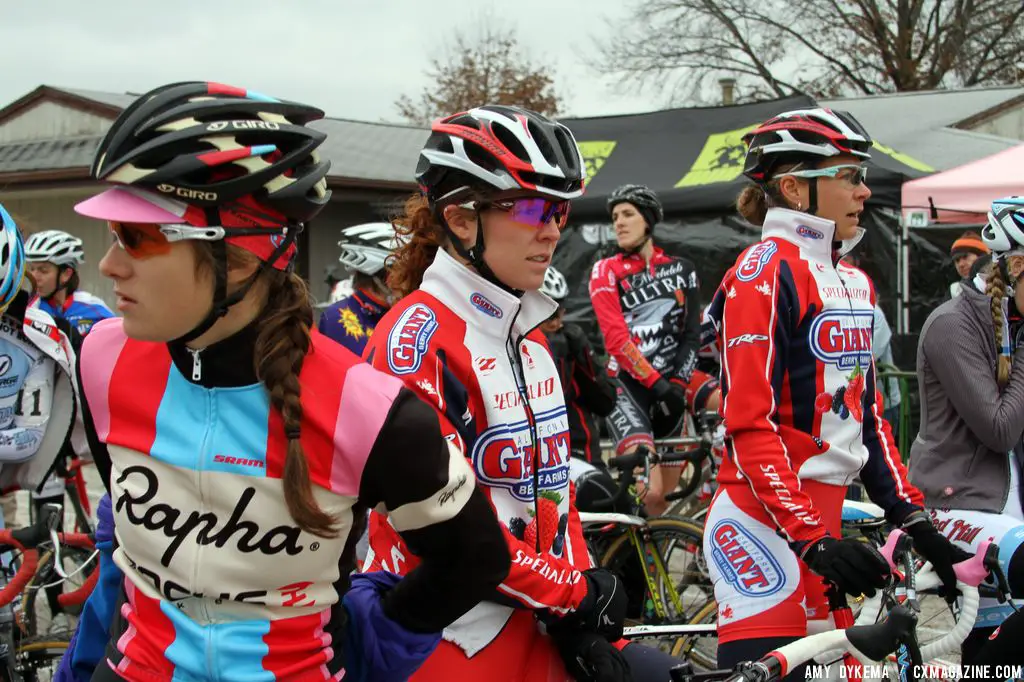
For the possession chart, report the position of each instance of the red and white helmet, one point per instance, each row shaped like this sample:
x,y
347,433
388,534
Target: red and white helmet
x,y
504,147
794,136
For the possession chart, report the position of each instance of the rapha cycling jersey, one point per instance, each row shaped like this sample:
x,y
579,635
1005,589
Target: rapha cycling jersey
x,y
472,350
81,309
798,377
649,314
220,583
351,320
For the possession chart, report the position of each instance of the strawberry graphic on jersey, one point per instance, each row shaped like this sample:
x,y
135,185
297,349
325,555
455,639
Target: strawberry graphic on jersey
x,y
547,515
854,398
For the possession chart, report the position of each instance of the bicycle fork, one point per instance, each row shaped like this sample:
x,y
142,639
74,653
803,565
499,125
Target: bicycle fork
x,y
653,564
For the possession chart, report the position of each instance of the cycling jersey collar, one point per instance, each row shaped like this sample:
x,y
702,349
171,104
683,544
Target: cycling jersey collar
x,y
481,303
814,235
225,364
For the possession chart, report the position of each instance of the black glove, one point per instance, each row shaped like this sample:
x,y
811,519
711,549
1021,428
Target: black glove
x,y
854,567
936,548
577,339
591,658
602,610
671,394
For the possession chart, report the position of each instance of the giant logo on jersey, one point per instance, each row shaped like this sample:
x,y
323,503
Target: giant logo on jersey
x,y
503,455
744,561
755,260
409,339
842,337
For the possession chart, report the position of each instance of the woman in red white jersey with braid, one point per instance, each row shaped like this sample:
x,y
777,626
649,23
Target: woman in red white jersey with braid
x,y
799,396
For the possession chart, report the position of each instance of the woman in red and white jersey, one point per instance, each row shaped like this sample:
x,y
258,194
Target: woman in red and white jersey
x,y
799,397
496,183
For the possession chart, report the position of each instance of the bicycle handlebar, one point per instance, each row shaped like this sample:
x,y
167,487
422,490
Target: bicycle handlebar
x,y
27,540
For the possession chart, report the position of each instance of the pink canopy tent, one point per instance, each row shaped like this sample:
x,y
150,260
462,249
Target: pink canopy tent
x,y
964,194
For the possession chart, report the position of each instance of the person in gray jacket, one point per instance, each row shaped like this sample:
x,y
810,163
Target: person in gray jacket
x,y
970,367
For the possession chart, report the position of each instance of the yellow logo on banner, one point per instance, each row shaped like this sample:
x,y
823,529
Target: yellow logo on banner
x,y
721,160
902,158
595,153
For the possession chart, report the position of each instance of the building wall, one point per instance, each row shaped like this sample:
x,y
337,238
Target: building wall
x,y
48,120
1009,123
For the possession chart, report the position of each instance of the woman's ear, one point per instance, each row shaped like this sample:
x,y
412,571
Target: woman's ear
x,y
792,190
462,223
1015,266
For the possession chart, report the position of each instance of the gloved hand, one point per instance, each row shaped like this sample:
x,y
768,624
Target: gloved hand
x,y
936,548
377,649
671,394
591,658
602,610
576,338
854,567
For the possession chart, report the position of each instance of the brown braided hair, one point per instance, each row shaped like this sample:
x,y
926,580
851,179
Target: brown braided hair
x,y
995,288
281,347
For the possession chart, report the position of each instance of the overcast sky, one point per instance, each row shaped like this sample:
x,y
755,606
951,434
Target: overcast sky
x,y
352,59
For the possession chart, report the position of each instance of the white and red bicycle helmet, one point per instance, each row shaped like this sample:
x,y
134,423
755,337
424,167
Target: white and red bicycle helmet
x,y
802,135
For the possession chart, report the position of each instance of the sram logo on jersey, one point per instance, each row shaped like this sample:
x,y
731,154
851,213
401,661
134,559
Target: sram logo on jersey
x,y
744,561
503,455
484,305
409,338
755,260
842,337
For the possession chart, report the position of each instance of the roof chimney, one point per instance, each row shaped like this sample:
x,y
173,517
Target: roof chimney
x,y
728,86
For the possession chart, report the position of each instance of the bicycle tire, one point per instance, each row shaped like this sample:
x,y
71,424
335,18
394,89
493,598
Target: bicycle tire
x,y
666,533
696,648
39,658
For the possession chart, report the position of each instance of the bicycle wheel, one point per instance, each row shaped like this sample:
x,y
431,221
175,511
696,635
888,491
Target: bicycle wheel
x,y
676,542
702,650
39,657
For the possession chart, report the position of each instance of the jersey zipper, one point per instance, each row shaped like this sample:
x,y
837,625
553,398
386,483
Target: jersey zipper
x,y
197,364
515,358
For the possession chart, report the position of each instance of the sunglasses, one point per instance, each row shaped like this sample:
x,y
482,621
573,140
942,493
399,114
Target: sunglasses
x,y
145,240
857,175
535,212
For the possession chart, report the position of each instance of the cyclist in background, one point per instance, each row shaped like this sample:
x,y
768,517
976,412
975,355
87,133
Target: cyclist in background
x,y
648,308
966,458
240,446
54,258
965,252
364,251
588,389
799,396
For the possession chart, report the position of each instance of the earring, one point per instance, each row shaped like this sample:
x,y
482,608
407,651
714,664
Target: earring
x,y
799,205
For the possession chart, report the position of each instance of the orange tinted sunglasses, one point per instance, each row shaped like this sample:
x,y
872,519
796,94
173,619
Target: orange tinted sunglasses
x,y
144,240
140,240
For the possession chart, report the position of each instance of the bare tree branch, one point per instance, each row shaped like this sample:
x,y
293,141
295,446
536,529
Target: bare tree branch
x,y
824,47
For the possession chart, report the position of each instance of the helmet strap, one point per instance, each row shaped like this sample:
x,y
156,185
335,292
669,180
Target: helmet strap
x,y
222,300
812,196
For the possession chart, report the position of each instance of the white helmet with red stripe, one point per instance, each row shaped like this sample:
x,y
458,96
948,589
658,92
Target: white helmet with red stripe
x,y
801,135
504,148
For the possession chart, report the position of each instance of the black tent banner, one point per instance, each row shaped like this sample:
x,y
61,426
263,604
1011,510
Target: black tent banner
x,y
693,159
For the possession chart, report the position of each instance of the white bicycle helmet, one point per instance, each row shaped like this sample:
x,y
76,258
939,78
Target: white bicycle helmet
x,y
54,246
554,284
365,248
1005,230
